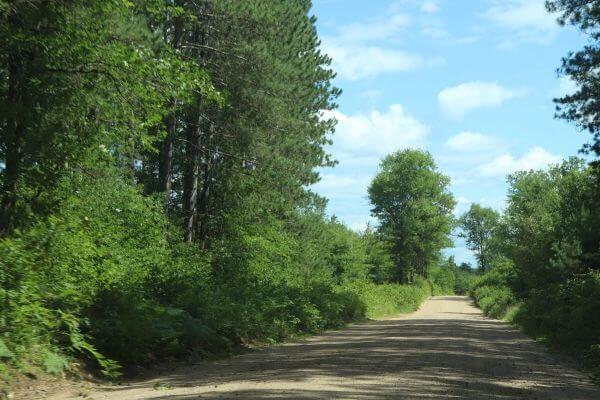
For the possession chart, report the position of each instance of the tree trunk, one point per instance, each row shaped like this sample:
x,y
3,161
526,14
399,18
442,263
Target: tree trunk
x,y
132,161
203,210
11,174
165,170
191,178
166,159
14,143
193,151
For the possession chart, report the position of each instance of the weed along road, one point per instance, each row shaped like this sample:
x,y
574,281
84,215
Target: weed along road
x,y
446,350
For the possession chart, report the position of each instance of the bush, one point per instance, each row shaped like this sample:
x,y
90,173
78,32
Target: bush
x,y
570,319
102,279
107,237
494,301
463,282
442,281
491,290
390,299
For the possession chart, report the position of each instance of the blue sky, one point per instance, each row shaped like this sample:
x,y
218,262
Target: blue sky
x,y
470,81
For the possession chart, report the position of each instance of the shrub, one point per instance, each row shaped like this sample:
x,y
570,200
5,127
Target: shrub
x,y
491,290
442,281
494,301
570,319
463,282
102,279
390,299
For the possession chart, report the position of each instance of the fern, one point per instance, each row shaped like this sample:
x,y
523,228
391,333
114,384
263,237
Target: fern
x,y
54,363
5,351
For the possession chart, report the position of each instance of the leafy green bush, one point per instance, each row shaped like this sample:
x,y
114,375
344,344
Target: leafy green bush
x,y
102,279
570,319
107,237
442,281
494,301
491,290
463,282
390,299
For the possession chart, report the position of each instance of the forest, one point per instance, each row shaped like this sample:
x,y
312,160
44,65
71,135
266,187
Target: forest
x,y
156,164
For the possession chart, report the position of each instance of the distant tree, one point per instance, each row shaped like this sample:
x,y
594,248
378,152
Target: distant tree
x,y
583,106
451,263
479,225
414,206
466,267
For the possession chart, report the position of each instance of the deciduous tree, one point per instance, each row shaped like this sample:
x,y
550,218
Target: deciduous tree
x,y
479,225
412,201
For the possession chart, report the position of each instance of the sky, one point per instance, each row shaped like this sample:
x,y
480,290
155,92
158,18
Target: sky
x,y
471,81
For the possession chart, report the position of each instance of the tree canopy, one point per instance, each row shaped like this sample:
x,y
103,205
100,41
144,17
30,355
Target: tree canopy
x,y
581,67
414,206
156,159
479,225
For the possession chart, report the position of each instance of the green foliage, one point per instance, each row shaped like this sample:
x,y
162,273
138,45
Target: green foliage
x,y
479,227
491,290
77,77
414,206
550,223
564,308
494,301
463,281
548,282
5,352
54,272
379,258
54,363
101,280
569,319
389,299
581,107
442,280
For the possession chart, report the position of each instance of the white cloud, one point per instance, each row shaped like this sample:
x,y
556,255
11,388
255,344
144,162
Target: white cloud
x,y
471,142
458,100
536,158
378,132
526,19
462,205
464,40
376,30
367,49
343,184
355,62
430,7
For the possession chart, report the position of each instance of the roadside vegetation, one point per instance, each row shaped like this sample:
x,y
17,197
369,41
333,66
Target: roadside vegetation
x,y
156,160
543,272
541,256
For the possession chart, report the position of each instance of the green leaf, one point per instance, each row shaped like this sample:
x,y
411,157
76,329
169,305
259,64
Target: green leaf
x,y
4,351
55,363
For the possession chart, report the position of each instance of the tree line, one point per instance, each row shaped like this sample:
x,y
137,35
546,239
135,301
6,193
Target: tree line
x,y
156,159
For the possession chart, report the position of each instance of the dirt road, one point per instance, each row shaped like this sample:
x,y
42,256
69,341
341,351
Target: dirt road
x,y
446,350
